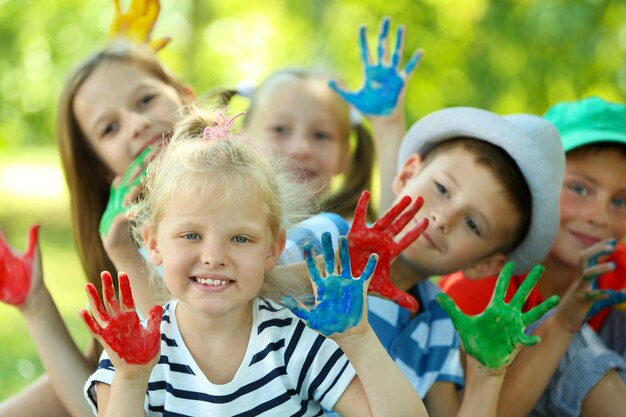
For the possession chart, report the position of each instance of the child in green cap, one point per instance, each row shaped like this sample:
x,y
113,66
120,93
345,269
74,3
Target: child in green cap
x,y
576,370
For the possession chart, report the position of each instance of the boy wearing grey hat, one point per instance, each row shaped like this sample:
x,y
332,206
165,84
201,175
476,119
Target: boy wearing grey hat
x,y
490,187
573,372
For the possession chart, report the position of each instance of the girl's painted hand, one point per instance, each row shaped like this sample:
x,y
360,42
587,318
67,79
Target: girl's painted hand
x,y
117,327
340,300
384,81
136,25
379,239
123,192
18,275
495,336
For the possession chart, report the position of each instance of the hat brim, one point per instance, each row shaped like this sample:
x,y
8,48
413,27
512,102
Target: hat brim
x,y
587,137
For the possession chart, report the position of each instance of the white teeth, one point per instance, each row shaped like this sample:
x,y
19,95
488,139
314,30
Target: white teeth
x,y
209,281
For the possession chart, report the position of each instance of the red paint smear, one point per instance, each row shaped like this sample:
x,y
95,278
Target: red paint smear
x,y
379,239
16,273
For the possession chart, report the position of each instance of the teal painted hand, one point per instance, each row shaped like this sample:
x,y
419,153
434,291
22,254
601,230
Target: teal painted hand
x,y
339,299
384,81
117,196
494,336
603,298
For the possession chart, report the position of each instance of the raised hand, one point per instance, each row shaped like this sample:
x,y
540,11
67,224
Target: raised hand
x,y
495,336
594,267
339,299
379,239
118,328
16,273
136,25
120,192
384,81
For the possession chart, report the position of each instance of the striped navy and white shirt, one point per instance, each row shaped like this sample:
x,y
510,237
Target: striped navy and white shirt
x,y
288,369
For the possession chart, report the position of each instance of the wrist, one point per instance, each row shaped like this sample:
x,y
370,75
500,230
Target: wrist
x,y
36,302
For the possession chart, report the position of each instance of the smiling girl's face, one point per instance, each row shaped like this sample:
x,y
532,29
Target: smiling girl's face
x,y
121,109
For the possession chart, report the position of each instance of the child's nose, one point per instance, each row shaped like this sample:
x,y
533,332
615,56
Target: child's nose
x,y
213,255
299,148
138,123
442,219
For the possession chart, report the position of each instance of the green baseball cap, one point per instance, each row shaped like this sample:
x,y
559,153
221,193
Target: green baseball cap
x,y
587,121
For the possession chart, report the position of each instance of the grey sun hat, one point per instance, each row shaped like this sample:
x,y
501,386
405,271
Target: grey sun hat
x,y
532,142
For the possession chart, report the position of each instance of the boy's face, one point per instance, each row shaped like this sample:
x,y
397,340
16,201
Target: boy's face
x,y
468,212
593,203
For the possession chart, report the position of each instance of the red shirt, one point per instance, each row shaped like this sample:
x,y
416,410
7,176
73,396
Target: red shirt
x,y
473,295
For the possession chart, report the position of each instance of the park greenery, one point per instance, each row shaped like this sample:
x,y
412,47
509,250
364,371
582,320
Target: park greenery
x,y
505,56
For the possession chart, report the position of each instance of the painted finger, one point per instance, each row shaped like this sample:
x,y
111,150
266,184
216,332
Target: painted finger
x,y
96,305
370,267
94,328
346,95
529,340
412,64
365,51
412,235
392,213
540,310
126,294
314,272
361,210
383,34
108,290
296,307
450,307
502,284
33,235
527,285
344,257
397,51
154,319
328,253
592,273
404,219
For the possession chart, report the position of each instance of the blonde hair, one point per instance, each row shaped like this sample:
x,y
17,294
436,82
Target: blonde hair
x,y
88,178
223,167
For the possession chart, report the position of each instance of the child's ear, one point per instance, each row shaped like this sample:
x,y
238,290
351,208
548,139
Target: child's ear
x,y
275,250
410,168
487,267
150,243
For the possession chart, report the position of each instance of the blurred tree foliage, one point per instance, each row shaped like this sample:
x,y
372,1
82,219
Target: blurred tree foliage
x,y
506,56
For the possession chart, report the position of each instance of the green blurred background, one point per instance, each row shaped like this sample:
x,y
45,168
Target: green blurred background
x,y
505,56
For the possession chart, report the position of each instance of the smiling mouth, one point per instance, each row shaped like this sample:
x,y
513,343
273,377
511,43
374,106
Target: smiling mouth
x,y
584,239
157,139
430,242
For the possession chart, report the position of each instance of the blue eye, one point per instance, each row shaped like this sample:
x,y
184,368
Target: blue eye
x,y
278,129
473,226
191,236
579,189
240,239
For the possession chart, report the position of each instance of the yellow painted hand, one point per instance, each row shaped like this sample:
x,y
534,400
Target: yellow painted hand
x,y
137,23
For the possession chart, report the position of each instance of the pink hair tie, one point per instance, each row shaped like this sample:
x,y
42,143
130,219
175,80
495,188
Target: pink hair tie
x,y
220,130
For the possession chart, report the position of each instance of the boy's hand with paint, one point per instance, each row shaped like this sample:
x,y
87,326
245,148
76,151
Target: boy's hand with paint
x,y
19,275
340,298
495,336
380,239
132,348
